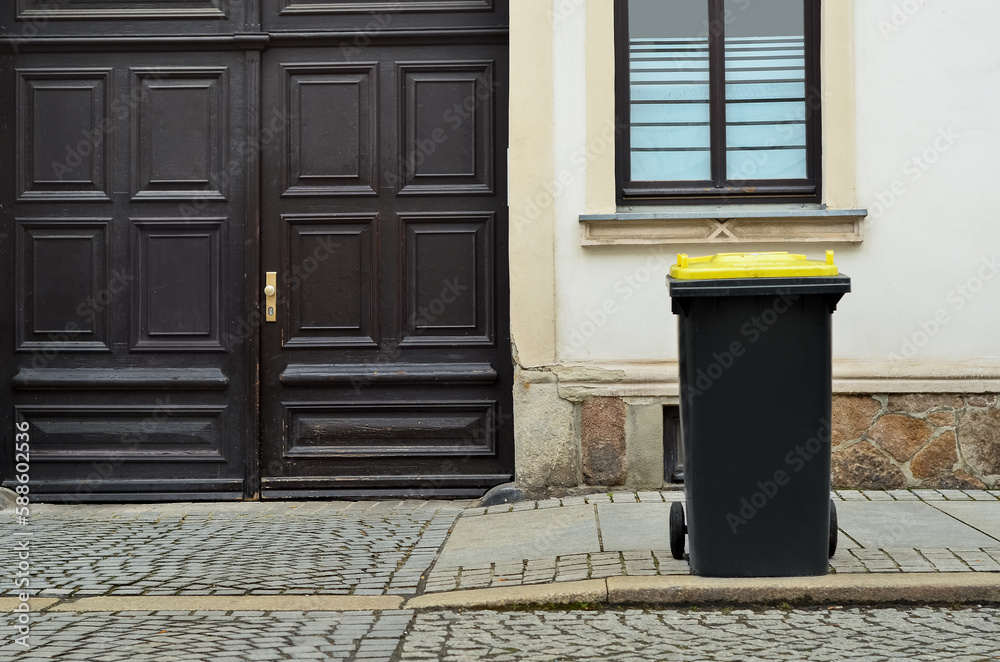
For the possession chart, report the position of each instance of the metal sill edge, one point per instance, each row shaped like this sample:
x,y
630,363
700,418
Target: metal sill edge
x,y
724,226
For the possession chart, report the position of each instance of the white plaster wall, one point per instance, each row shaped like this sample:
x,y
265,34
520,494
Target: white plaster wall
x,y
610,304
927,80
569,178
926,70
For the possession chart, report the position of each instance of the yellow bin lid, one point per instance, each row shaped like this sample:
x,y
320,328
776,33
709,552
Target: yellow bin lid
x,y
751,265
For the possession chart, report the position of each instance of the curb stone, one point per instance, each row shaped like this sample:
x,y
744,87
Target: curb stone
x,y
36,604
588,590
232,603
869,589
872,589
826,589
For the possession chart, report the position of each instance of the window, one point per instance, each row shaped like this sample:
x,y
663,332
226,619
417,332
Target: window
x,y
719,100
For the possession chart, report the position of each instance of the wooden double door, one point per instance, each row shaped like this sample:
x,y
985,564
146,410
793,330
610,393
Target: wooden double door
x,y
158,188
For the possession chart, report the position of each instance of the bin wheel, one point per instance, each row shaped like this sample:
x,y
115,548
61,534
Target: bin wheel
x,y
833,528
677,530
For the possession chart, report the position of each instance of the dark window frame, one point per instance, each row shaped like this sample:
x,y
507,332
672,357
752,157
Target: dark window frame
x,y
720,190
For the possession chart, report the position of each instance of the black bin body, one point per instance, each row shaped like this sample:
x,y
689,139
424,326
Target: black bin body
x,y
756,393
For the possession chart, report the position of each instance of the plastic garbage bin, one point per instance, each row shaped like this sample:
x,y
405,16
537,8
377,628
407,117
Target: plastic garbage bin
x,y
755,401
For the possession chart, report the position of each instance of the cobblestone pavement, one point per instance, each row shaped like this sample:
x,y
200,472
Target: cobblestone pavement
x,y
849,559
362,548
210,636
386,548
869,635
356,548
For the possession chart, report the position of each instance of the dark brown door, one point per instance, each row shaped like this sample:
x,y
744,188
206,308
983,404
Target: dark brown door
x,y
124,269
387,369
157,157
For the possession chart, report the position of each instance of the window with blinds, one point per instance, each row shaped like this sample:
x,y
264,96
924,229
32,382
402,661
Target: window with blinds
x,y
718,98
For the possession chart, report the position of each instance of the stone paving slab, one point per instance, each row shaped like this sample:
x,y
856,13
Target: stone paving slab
x,y
873,588
586,591
634,526
514,536
981,515
35,604
669,496
881,532
910,524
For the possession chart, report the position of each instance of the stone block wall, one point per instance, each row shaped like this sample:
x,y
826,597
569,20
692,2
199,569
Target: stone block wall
x,y
916,440
882,441
602,441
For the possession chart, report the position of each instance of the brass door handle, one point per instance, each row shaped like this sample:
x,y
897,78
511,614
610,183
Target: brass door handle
x,y
270,296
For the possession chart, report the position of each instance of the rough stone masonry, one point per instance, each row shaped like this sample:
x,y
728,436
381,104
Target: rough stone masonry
x,y
881,441
932,441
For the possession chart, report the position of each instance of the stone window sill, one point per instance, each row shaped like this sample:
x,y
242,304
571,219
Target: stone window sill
x,y
723,225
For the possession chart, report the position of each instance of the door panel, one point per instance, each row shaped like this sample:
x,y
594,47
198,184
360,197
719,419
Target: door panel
x,y
180,134
341,162
56,107
126,246
386,371
446,114
178,309
332,262
447,279
61,262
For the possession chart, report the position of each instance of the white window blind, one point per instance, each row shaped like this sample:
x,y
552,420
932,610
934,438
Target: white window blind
x,y
671,132
670,91
765,108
